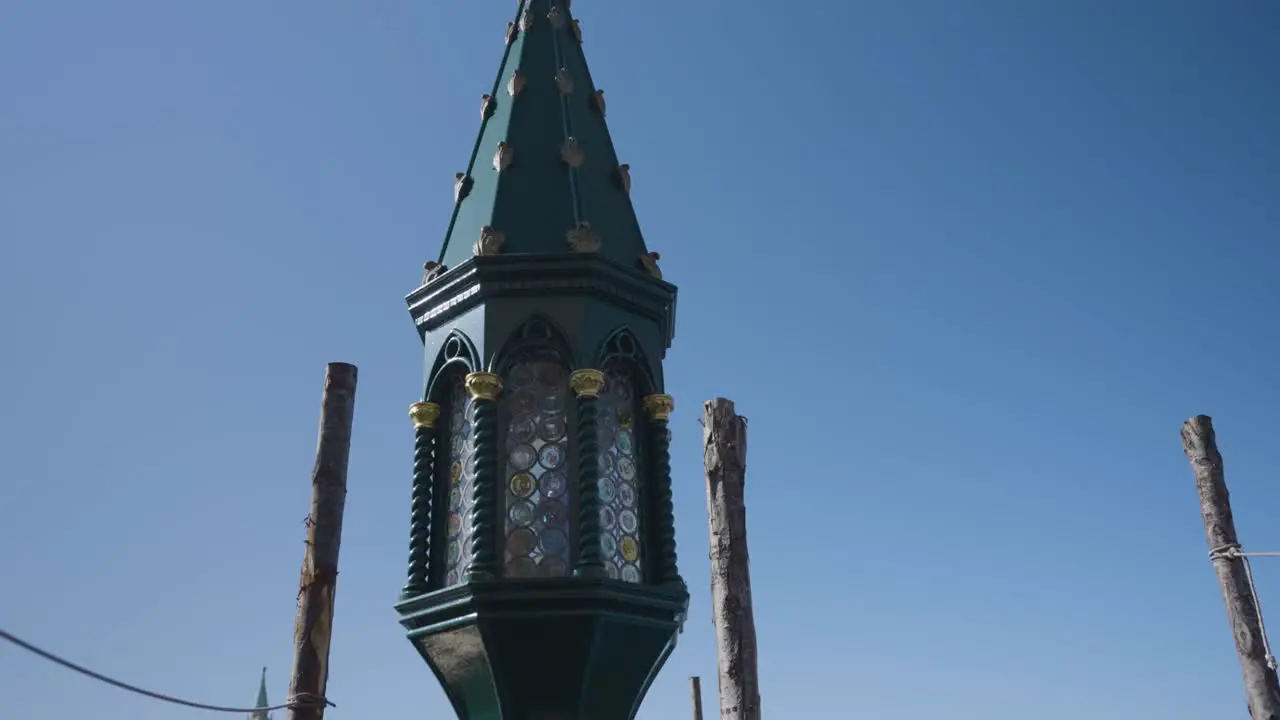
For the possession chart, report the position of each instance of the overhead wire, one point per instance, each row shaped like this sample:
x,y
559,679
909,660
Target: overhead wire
x,y
307,700
300,700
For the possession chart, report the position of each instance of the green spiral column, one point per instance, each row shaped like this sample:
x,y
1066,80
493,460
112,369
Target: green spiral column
x,y
662,520
424,416
586,385
484,388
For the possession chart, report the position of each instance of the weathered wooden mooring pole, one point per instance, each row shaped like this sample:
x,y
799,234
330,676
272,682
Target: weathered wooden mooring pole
x,y
1261,687
314,623
695,695
724,446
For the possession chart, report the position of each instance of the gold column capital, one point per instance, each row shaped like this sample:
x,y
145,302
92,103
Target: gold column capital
x,y
484,385
424,414
659,407
586,382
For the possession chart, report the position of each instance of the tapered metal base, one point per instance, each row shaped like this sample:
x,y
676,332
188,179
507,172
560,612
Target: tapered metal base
x,y
546,649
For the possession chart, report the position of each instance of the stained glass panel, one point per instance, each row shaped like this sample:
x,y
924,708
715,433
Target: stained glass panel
x,y
462,466
619,476
536,470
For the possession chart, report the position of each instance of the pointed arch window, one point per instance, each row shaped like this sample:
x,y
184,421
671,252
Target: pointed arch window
x,y
620,484
537,498
459,477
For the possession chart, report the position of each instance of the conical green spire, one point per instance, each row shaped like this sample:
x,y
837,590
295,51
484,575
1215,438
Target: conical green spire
x,y
543,176
262,699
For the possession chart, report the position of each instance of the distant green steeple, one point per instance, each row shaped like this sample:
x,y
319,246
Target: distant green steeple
x,y
261,714
543,175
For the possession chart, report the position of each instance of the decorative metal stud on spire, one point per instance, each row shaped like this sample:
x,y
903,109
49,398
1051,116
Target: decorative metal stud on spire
x,y
583,239
624,177
502,157
461,186
490,241
431,270
516,84
555,17
572,153
649,261
564,81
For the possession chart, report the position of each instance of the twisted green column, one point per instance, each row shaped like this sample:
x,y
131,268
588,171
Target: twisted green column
x,y
424,416
662,520
586,385
484,388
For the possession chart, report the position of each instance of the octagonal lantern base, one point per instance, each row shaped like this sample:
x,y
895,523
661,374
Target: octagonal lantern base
x,y
546,649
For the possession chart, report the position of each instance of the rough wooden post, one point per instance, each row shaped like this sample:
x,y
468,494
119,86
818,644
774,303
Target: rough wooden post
x,y
695,692
314,624
1261,687
724,445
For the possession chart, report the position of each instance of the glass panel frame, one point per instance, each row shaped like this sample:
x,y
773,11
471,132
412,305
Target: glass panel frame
x,y
456,470
537,414
621,473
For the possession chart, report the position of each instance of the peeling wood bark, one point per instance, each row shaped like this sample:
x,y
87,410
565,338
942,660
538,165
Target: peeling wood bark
x,y
1261,688
724,441
313,626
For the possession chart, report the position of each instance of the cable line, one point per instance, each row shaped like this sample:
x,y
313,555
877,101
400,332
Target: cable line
x,y
302,700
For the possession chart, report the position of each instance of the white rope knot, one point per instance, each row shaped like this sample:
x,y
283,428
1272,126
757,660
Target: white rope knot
x,y
1230,551
302,700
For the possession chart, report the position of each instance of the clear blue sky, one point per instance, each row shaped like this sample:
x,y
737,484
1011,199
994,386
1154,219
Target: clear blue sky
x,y
966,266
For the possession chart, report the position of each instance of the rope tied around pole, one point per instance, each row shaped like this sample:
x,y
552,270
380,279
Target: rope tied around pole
x,y
1232,551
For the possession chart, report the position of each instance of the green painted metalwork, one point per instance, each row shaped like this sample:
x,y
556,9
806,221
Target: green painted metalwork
x,y
485,498
587,297
566,598
543,123
588,386
545,647
420,509
665,569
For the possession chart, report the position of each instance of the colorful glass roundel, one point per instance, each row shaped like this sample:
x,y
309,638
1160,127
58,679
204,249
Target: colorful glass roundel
x,y
458,549
619,479
535,470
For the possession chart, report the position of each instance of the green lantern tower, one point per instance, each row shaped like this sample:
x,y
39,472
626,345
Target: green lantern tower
x,y
542,581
